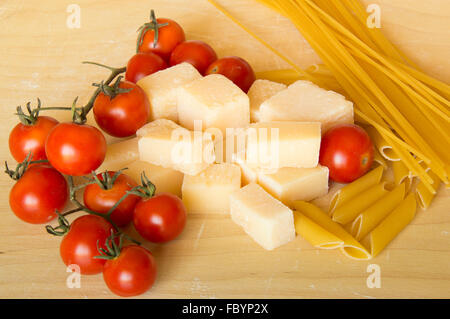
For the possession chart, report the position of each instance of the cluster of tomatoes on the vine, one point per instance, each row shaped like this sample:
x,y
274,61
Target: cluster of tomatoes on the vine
x,y
47,149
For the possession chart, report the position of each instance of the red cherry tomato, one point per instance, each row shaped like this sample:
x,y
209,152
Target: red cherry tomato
x,y
124,114
197,53
236,69
347,151
169,36
79,245
75,149
38,193
24,139
132,273
143,64
160,218
101,200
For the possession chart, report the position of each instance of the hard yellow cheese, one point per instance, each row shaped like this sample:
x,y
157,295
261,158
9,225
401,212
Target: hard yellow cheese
x,y
272,145
166,180
305,101
264,218
290,184
165,143
216,101
161,89
260,91
210,190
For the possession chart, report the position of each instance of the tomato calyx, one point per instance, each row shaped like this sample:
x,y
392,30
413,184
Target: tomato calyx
x,y
33,113
22,167
112,248
107,181
32,116
152,25
146,189
83,111
112,90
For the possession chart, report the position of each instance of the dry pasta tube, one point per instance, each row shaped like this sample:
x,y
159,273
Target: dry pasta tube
x,y
423,196
358,186
315,234
350,210
402,174
380,160
351,247
382,146
372,216
391,226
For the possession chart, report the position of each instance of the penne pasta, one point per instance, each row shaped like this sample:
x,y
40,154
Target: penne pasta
x,y
347,212
372,216
351,247
402,174
314,233
351,190
378,159
381,145
423,196
391,226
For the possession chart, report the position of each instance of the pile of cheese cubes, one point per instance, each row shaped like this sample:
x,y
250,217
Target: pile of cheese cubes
x,y
219,181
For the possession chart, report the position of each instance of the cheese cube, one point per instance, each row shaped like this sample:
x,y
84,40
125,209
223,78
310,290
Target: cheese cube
x,y
210,190
165,143
273,145
166,180
260,91
289,184
304,101
216,101
265,219
119,154
161,89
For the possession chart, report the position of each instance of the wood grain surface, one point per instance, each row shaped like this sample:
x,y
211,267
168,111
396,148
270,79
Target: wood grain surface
x,y
213,258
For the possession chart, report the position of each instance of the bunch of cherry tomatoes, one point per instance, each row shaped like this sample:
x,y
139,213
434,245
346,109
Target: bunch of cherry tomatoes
x,y
46,150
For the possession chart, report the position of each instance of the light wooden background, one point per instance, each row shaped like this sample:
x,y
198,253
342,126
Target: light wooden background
x,y
213,258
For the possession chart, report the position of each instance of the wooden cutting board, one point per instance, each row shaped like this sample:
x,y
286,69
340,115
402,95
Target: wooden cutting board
x,y
213,258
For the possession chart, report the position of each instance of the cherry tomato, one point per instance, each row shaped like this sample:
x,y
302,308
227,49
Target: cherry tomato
x,y
347,151
170,34
143,64
75,149
24,139
38,193
197,53
132,273
124,114
101,200
160,218
236,69
79,245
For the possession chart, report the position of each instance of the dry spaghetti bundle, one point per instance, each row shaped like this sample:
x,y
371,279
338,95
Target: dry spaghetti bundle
x,y
409,110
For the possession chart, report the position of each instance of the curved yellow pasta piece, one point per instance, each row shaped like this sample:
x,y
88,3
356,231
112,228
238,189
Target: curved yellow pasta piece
x,y
402,174
351,247
372,216
380,160
382,146
423,196
391,226
351,190
315,234
347,212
